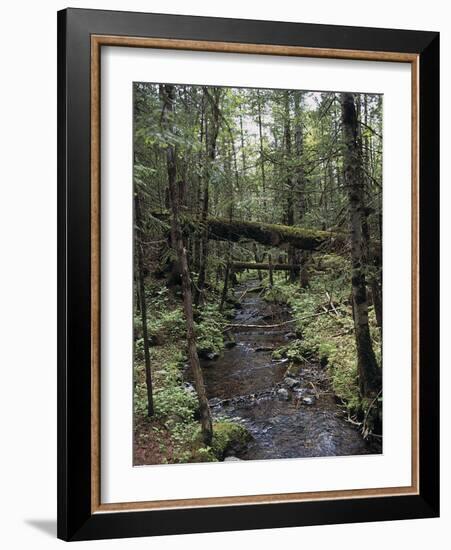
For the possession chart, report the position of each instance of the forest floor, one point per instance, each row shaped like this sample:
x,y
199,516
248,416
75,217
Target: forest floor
x,y
320,343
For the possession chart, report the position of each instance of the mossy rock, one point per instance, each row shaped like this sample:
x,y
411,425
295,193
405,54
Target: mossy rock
x,y
296,352
227,437
279,353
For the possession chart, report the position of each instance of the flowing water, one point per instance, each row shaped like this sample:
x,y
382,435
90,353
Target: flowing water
x,y
287,417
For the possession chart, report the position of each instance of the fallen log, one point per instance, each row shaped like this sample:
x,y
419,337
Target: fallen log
x,y
264,267
268,234
237,325
271,234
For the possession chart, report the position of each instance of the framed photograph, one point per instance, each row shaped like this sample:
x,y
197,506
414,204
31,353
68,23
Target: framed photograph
x,y
248,274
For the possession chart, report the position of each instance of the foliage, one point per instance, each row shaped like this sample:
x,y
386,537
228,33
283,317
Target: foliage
x,y
209,330
325,335
174,425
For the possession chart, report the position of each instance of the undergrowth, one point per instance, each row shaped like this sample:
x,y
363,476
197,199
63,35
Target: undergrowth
x,y
325,328
173,433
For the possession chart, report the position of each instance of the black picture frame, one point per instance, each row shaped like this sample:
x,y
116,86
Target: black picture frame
x,y
75,518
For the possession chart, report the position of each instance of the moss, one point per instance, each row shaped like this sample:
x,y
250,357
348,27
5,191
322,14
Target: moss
x,y
297,352
264,233
210,338
228,436
270,234
173,434
334,262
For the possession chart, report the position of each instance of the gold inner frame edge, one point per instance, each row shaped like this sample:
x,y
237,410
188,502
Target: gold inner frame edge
x,y
97,41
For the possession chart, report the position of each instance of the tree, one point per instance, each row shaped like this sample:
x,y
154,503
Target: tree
x,y
290,179
211,138
260,135
300,180
143,305
168,100
368,370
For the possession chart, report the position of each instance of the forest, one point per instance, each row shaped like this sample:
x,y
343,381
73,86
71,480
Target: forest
x,y
257,273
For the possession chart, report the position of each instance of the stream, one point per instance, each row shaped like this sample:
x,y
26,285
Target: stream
x,y
288,417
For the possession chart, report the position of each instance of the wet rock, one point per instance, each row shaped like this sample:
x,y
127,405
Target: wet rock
x,y
309,400
290,336
214,402
189,387
291,383
285,360
282,394
264,348
298,393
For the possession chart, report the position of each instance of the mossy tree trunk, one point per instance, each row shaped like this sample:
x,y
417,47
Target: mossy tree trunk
x,y
168,100
274,235
368,370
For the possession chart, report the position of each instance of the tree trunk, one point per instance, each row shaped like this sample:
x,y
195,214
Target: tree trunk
x,y
196,261
143,305
262,160
271,278
211,137
289,182
304,277
374,276
300,181
243,153
254,246
368,370
377,300
225,288
168,98
138,299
